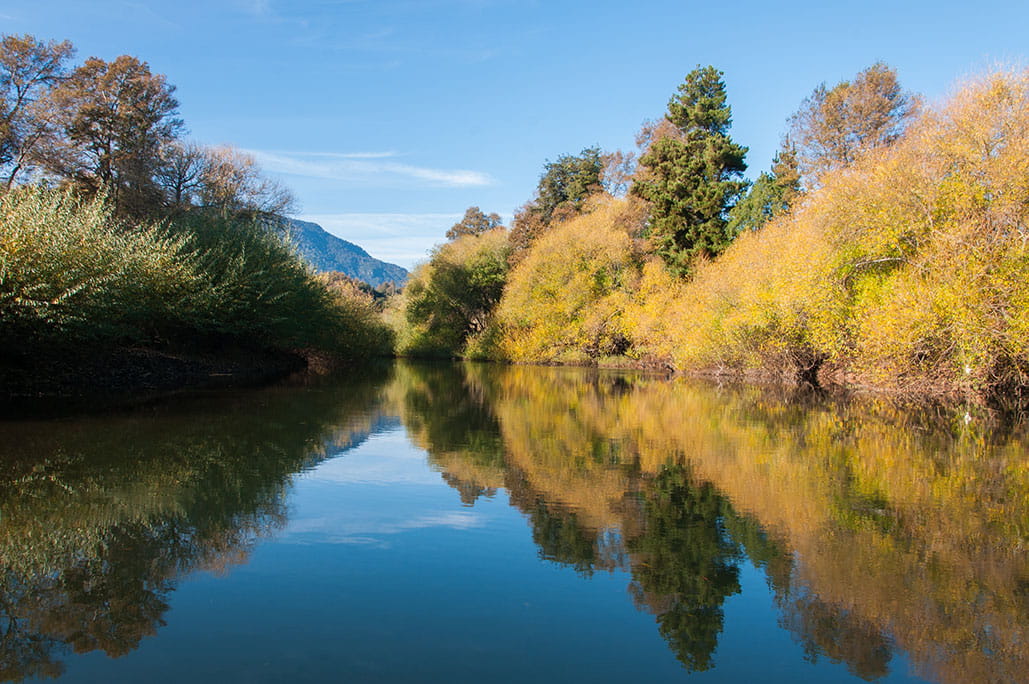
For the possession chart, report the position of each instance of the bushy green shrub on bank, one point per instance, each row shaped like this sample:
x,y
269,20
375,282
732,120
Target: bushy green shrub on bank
x,y
446,309
72,276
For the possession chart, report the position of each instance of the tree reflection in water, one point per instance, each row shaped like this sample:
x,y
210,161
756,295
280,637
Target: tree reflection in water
x,y
101,517
877,527
873,522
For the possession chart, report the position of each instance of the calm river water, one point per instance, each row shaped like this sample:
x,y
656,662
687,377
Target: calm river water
x,y
447,523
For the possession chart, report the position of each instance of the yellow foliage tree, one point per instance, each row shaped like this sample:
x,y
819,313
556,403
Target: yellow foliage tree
x,y
566,300
906,269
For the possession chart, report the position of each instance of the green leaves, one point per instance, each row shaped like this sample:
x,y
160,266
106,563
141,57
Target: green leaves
x,y
693,177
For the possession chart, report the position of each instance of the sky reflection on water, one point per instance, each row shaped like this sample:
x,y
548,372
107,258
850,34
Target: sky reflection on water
x,y
444,522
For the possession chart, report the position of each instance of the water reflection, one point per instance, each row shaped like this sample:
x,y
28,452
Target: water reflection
x,y
878,528
101,517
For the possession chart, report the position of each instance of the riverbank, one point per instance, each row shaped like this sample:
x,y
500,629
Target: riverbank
x,y
89,381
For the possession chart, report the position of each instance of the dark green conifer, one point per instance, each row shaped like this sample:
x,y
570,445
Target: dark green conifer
x,y
694,178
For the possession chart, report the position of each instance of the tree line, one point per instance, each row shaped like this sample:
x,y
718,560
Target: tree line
x,y
684,201
113,127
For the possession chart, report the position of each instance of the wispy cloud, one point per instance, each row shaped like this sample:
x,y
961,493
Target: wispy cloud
x,y
345,155
358,528
258,8
366,167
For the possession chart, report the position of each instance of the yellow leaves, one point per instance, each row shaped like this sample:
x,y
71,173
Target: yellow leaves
x,y
908,266
567,299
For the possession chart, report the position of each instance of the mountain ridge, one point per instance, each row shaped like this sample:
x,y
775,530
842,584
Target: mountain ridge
x,y
326,252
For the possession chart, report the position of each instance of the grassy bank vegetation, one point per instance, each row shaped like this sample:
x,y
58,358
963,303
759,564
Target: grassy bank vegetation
x,y
73,275
116,233
898,262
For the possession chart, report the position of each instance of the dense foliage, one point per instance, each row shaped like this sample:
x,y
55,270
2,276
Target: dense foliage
x,y
72,274
449,301
572,307
907,268
902,264
562,193
694,177
116,232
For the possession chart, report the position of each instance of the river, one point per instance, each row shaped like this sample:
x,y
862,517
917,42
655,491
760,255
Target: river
x,y
448,522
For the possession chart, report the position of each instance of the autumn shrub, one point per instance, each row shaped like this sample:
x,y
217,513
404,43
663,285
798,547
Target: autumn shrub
x,y
566,299
451,299
905,269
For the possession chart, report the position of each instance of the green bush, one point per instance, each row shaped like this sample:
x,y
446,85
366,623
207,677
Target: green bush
x,y
70,274
450,300
73,276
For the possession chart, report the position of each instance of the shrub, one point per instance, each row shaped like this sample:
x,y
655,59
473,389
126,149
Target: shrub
x,y
566,300
70,274
452,297
73,276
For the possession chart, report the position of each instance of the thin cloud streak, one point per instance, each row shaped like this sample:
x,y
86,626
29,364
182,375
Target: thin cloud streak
x,y
361,167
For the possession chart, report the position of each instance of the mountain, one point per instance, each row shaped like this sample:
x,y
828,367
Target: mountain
x,y
327,252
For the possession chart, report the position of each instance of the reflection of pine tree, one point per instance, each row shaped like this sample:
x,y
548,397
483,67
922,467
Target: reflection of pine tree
x,y
685,566
562,538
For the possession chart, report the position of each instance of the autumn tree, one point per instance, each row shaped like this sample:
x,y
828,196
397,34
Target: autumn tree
x,y
231,180
119,116
29,128
617,172
474,223
693,177
835,125
180,172
561,193
773,193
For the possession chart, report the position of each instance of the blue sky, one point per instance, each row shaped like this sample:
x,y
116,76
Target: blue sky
x,y
387,118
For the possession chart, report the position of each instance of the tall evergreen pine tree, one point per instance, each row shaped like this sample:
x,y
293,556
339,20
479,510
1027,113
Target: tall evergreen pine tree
x,y
693,179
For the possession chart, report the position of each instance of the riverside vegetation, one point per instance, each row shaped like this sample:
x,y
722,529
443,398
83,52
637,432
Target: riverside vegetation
x,y
886,247
119,237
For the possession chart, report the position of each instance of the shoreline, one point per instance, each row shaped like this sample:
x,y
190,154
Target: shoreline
x,y
133,375
829,379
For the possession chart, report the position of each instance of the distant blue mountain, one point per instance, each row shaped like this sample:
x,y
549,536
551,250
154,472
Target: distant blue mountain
x,y
326,252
